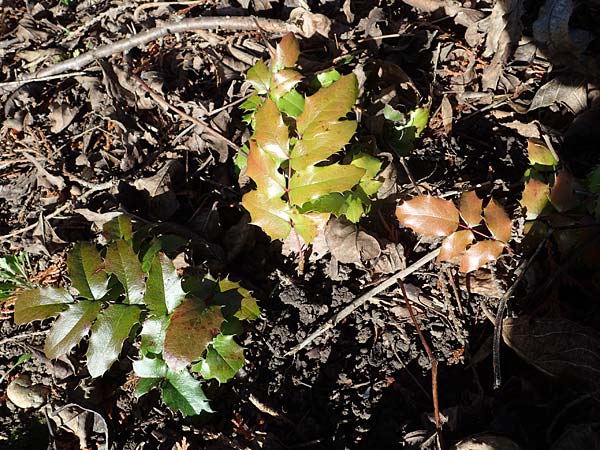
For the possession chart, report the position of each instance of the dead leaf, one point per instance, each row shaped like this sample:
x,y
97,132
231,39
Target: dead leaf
x,y
83,423
578,437
350,245
162,199
391,259
569,91
558,347
61,116
486,442
447,115
310,23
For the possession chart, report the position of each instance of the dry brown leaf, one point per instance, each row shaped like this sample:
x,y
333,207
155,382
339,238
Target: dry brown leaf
x,y
570,91
431,216
350,245
480,254
558,347
486,442
497,221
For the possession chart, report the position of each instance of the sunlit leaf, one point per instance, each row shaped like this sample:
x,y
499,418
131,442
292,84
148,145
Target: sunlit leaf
x,y
418,119
125,265
455,244
470,208
249,309
108,333
535,197
191,329
144,385
372,166
323,142
150,368
328,78
263,170
291,103
163,287
86,271
72,325
314,181
480,254
153,334
271,133
181,391
539,153
259,77
431,216
39,304
223,359
283,82
308,225
497,221
270,214
286,52
328,104
562,193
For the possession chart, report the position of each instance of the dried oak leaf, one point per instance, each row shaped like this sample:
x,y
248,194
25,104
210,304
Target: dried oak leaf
x,y
349,244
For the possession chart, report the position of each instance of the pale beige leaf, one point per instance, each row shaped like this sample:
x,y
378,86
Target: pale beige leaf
x,y
431,216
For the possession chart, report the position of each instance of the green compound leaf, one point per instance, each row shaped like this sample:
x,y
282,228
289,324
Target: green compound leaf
x,y
286,53
145,385
181,391
41,303
153,334
260,77
150,368
328,105
72,325
269,213
118,228
86,271
262,168
191,329
223,359
283,82
125,265
163,287
108,333
272,135
291,103
314,182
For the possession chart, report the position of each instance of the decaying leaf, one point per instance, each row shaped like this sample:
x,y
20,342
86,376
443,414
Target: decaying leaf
x,y
562,194
431,216
558,347
486,442
350,245
570,91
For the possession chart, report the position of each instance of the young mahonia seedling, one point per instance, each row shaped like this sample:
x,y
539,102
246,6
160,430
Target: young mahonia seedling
x,y
297,186
433,216
193,323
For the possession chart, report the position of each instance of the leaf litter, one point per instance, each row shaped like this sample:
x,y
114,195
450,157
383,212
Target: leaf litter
x,y
84,145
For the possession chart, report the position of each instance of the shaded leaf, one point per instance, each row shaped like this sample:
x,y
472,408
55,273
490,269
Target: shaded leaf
x,y
534,198
108,333
39,304
72,325
259,77
314,181
497,221
271,133
470,208
183,392
539,153
480,254
191,329
558,347
431,216
286,52
249,309
163,287
124,264
456,244
86,271
223,359
562,193
119,227
328,104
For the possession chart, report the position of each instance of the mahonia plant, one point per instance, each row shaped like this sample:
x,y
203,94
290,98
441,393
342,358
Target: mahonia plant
x,y
187,325
298,187
434,216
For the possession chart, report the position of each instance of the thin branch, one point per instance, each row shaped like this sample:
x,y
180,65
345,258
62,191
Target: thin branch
x,y
337,318
250,23
200,123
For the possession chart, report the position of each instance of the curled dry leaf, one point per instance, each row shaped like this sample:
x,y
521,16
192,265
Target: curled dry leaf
x,y
455,244
558,347
480,254
534,198
428,215
470,208
498,221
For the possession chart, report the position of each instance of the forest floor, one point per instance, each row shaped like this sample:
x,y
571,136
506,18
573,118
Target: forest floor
x,y
499,79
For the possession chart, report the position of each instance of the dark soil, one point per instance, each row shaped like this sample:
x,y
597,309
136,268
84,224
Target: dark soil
x,y
80,146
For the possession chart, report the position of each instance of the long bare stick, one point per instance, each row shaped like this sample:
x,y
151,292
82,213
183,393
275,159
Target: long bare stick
x,y
250,23
337,318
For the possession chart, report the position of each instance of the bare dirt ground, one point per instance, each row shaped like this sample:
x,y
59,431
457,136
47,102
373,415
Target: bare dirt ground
x,y
81,143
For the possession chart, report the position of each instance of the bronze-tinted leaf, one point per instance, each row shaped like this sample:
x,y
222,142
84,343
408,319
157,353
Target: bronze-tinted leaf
x,y
271,133
455,244
480,254
283,82
562,194
286,53
270,214
431,216
534,198
192,328
263,170
497,221
558,347
539,153
470,208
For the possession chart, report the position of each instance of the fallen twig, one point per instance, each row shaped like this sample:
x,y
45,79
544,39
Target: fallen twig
x,y
337,318
205,126
250,23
